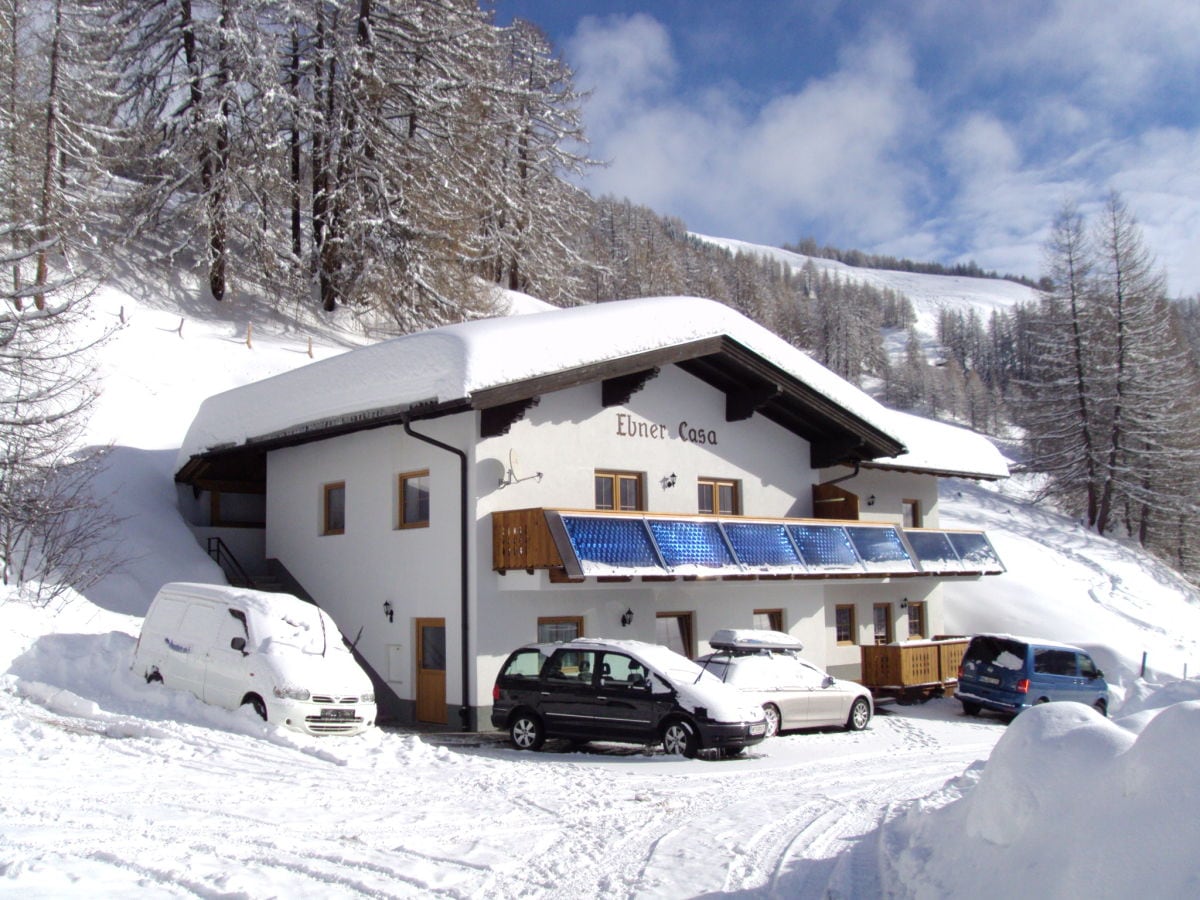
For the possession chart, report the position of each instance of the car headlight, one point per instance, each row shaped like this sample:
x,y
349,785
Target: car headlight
x,y
367,698
287,692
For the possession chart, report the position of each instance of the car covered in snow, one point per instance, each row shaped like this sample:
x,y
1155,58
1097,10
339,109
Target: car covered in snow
x,y
766,666
625,691
1007,674
275,653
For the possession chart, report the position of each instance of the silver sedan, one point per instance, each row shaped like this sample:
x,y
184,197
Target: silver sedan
x,y
793,692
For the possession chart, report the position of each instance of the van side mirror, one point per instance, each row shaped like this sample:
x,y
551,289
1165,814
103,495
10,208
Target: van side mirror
x,y
239,644
827,681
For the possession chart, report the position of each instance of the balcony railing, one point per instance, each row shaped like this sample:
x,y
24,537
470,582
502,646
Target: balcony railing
x,y
589,543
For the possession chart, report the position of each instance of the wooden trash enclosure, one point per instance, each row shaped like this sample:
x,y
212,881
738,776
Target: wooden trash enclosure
x,y
913,668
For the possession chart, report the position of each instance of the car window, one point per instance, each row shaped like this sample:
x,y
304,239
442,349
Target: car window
x,y
996,651
524,664
571,666
810,675
1054,662
1087,666
619,670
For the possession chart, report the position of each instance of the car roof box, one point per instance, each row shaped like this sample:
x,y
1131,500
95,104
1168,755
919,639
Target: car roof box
x,y
753,639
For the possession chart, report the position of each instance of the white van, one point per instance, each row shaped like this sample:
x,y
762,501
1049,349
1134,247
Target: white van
x,y
235,647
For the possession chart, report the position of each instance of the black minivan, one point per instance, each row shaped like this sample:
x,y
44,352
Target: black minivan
x,y
625,691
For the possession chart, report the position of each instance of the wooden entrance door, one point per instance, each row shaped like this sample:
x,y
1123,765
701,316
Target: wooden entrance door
x,y
431,671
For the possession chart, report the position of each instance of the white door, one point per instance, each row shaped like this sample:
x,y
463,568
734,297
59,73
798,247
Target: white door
x,y
225,679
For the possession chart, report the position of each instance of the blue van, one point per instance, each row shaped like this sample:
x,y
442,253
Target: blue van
x,y
1007,674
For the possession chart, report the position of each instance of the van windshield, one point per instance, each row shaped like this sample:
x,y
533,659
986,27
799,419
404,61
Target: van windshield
x,y
300,629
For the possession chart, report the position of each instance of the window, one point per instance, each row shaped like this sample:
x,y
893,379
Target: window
x,y
718,497
912,513
334,517
844,623
916,621
569,667
619,491
559,628
675,630
414,499
768,619
883,623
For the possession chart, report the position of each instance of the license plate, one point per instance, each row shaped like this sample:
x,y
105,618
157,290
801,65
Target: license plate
x,y
987,679
758,729
337,714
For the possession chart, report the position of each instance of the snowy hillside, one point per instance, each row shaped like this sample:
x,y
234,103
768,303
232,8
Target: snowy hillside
x,y
929,293
117,787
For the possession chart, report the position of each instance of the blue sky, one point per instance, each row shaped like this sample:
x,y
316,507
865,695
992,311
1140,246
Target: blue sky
x,y
933,129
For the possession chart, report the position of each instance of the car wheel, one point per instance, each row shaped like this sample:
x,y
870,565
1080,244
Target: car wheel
x,y
971,709
1101,707
680,738
257,702
860,715
771,713
526,731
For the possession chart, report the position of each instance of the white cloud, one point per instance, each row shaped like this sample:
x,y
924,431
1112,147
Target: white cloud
x,y
624,61
827,153
948,132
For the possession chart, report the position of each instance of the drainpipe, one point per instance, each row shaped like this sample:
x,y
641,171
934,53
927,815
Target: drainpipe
x,y
844,477
464,710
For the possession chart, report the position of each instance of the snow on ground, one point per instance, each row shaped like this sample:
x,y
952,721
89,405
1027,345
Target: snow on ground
x,y
115,787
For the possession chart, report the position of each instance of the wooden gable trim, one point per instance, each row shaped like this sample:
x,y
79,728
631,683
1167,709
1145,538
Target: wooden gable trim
x,y
496,420
617,390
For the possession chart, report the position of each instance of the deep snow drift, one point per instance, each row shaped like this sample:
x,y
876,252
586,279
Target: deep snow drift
x,y
114,786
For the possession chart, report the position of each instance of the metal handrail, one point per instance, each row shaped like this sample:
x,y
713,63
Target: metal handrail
x,y
229,564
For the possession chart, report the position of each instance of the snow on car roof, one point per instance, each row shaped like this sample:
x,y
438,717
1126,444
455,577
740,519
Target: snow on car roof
x,y
753,639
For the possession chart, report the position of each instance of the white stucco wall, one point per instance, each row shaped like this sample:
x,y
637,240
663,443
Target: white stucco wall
x,y
566,438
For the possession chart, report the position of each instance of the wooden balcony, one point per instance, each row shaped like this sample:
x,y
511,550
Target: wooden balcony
x,y
521,539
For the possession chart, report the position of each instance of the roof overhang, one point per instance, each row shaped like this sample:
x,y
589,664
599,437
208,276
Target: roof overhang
x,y
750,383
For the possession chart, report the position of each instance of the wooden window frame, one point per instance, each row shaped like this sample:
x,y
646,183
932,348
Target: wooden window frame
x,y
852,627
716,484
916,508
774,617
689,629
560,620
401,480
617,477
327,491
917,606
889,631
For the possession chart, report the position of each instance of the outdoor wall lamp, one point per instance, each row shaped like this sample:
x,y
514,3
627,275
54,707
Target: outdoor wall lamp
x,y
626,617
387,610
668,481
871,500
904,603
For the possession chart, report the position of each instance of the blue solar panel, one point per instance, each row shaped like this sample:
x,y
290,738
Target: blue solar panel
x,y
933,549
974,550
691,543
878,544
824,546
758,544
610,541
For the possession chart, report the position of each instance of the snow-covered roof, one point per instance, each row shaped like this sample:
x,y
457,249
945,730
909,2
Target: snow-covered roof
x,y
459,362
941,449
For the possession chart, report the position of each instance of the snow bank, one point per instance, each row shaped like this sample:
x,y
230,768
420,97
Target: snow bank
x,y
1070,804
